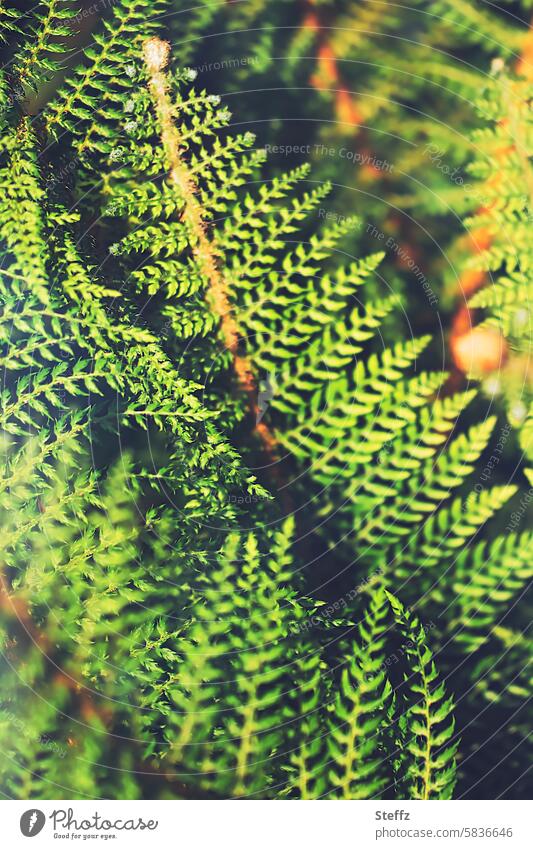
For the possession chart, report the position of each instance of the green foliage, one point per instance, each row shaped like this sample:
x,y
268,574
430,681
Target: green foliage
x,y
161,633
428,724
96,94
49,26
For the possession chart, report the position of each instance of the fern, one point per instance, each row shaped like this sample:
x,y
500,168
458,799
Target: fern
x,y
429,727
35,61
152,589
507,219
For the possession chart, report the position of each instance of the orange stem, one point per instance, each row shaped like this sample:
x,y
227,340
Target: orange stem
x,y
156,54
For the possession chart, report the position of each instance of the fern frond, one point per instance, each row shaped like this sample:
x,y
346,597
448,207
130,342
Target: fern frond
x,y
91,99
429,726
22,219
485,583
357,753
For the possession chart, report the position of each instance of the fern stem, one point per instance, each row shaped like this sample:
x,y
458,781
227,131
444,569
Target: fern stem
x,y
427,757
156,53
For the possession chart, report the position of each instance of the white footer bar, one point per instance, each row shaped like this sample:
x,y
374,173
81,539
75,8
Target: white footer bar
x,y
267,825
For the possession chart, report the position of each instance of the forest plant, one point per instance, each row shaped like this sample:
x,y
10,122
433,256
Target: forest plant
x,y
159,636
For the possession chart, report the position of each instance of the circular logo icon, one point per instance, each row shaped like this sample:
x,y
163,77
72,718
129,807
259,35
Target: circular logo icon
x,y
32,822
